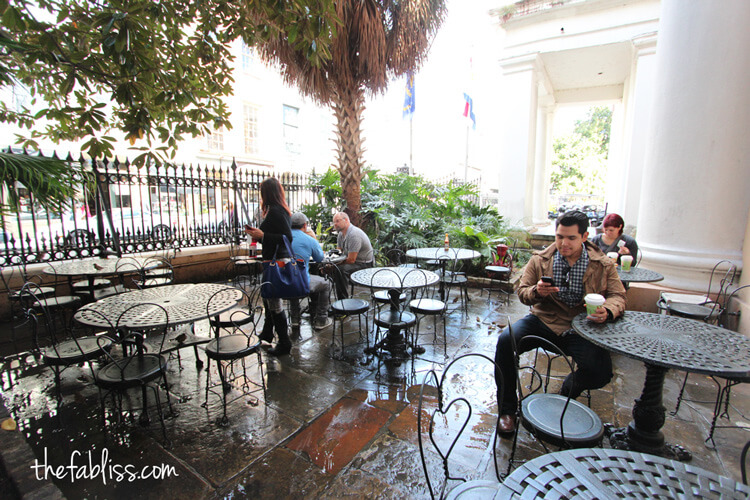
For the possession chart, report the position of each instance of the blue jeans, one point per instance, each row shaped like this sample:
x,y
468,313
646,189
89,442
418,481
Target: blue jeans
x,y
594,366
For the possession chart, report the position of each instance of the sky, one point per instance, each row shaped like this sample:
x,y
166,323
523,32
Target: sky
x,y
459,61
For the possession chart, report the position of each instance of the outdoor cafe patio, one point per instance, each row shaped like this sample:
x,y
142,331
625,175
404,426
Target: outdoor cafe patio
x,y
328,426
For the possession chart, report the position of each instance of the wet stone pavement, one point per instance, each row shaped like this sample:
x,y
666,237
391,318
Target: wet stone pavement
x,y
327,428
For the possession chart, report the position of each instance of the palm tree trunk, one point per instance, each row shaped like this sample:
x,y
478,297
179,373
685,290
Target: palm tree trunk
x,y
348,105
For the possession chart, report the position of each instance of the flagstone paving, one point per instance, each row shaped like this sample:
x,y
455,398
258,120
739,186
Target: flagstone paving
x,y
327,428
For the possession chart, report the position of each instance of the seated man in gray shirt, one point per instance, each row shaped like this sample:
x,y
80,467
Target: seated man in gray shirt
x,y
356,246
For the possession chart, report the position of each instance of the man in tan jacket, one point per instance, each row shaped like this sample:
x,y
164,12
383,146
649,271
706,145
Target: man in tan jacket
x,y
577,268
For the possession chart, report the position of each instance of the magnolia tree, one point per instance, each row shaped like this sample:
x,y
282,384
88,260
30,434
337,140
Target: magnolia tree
x,y
157,70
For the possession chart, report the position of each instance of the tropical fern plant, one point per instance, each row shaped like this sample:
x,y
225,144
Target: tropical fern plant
x,y
51,181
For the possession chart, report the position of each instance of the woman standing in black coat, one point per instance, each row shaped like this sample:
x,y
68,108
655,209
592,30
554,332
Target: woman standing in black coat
x,y
276,224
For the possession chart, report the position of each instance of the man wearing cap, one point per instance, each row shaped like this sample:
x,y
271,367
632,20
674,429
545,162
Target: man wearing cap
x,y
304,246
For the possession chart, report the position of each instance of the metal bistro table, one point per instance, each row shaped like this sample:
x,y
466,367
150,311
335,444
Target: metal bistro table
x,y
638,275
604,473
394,278
94,268
184,303
443,256
663,342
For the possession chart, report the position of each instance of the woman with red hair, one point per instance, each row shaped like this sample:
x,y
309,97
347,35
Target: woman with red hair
x,y
612,240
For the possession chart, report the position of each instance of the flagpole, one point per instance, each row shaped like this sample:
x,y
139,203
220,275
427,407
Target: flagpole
x,y
411,144
466,158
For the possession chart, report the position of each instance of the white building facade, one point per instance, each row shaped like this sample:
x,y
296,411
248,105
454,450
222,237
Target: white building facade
x,y
675,71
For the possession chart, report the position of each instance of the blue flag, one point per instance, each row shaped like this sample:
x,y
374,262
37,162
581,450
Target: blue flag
x,y
409,103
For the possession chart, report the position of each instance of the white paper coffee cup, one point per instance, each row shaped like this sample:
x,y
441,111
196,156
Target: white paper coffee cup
x,y
593,302
613,255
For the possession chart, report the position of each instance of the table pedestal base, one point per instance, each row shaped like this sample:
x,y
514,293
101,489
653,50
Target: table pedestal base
x,y
643,434
396,344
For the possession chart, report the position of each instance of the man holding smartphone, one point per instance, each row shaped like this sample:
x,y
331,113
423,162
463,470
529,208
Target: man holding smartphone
x,y
554,283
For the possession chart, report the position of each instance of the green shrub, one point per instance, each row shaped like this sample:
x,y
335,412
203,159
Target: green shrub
x,y
403,211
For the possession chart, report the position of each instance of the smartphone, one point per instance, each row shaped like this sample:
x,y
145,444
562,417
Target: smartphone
x,y
247,226
548,280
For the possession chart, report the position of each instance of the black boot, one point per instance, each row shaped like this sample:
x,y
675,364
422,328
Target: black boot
x,y
285,345
267,333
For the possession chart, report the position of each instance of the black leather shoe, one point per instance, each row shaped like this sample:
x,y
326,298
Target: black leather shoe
x,y
506,424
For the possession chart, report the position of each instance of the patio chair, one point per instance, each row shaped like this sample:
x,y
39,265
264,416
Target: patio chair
x,y
396,257
743,462
62,346
13,276
551,418
235,340
156,271
427,303
730,320
707,310
60,305
344,308
702,307
458,413
136,368
500,270
452,277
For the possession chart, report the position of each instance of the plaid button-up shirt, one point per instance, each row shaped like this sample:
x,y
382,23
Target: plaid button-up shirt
x,y
570,279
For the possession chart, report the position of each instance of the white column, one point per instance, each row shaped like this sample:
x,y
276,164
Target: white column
x,y
638,105
696,184
518,138
538,201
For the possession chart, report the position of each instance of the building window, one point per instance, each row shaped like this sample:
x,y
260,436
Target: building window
x,y
291,129
250,120
215,140
248,57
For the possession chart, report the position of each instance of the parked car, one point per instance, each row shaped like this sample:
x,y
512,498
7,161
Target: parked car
x,y
129,222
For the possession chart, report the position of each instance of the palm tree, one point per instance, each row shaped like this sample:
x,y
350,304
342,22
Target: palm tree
x,y
377,40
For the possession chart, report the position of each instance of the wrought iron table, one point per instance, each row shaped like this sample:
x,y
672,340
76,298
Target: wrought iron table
x,y
443,256
400,278
604,473
99,268
394,278
663,342
184,303
638,275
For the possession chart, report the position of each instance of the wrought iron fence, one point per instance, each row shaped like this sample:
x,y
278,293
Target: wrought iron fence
x,y
130,209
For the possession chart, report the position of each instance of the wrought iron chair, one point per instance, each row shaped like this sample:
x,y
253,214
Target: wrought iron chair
x,y
157,271
452,276
427,303
235,340
136,368
709,311
743,462
397,258
500,271
551,418
461,424
344,308
62,346
704,308
728,319
13,275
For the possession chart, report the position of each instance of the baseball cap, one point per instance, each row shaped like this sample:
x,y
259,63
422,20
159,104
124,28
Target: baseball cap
x,y
298,220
